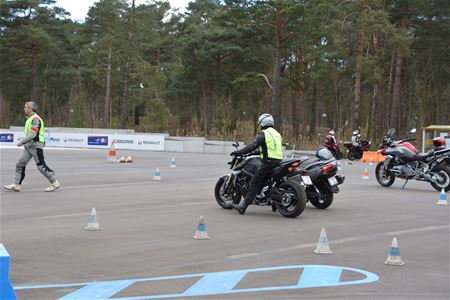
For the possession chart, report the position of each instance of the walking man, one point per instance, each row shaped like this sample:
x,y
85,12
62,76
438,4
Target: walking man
x,y
33,143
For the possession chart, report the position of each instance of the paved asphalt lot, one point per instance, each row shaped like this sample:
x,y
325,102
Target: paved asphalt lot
x,y
148,229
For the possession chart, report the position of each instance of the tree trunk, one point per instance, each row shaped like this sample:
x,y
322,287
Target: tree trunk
x,y
356,102
3,116
126,87
296,100
394,121
108,91
313,120
34,72
276,105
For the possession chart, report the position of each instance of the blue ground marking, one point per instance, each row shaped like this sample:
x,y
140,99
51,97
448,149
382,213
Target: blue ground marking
x,y
215,283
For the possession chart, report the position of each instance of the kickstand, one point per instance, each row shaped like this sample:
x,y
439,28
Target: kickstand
x,y
405,184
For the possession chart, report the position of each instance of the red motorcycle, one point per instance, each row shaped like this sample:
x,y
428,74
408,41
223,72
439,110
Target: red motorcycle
x,y
356,152
332,145
404,161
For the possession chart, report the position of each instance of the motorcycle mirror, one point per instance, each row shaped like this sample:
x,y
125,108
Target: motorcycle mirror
x,y
235,144
391,131
413,130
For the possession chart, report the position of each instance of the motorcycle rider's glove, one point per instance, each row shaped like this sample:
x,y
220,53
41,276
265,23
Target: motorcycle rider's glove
x,y
234,153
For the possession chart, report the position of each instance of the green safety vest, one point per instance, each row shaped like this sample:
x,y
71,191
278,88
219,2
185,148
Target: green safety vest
x,y
273,143
28,127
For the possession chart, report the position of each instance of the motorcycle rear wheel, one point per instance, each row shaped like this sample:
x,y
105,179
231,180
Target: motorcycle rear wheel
x,y
327,198
226,199
444,174
293,198
386,179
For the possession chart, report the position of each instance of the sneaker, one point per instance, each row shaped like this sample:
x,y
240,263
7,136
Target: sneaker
x,y
55,185
12,187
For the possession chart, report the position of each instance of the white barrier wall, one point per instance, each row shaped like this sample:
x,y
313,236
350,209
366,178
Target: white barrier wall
x,y
125,140
91,140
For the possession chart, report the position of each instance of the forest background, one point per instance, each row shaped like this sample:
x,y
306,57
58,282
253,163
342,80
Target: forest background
x,y
212,69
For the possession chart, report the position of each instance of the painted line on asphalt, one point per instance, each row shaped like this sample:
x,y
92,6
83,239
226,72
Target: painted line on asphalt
x,y
112,185
124,210
215,283
419,229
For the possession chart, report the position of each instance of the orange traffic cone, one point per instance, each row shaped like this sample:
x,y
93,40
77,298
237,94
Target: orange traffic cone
x,y
365,175
112,154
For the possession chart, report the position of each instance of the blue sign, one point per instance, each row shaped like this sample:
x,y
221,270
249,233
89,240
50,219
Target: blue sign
x,y
216,283
6,137
98,140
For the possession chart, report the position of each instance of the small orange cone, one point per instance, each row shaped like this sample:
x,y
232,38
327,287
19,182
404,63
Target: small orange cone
x,y
365,175
112,154
122,159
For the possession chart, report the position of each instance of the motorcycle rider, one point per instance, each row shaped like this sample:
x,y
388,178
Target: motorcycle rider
x,y
269,142
356,138
331,138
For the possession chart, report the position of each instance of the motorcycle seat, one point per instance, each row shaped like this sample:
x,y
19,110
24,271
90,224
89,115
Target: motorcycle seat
x,y
306,162
348,144
422,156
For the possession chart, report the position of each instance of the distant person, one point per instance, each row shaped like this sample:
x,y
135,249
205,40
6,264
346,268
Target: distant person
x,y
356,138
33,143
268,140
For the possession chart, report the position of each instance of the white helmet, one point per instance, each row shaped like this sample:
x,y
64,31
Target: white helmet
x,y
331,132
355,132
265,120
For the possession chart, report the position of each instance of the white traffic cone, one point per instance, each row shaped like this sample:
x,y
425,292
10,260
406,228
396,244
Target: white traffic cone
x,y
365,175
442,198
93,221
394,257
157,175
129,159
173,163
322,245
122,159
112,154
200,233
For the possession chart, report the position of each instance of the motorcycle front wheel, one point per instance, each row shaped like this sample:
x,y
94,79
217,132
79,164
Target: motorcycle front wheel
x,y
443,174
351,155
226,197
384,178
293,199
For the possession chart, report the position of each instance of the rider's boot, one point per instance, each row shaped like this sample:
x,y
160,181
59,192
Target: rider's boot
x,y
241,207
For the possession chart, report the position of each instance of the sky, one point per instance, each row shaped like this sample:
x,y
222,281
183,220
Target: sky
x,y
79,8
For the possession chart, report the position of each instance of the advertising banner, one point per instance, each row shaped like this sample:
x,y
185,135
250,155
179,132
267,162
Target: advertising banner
x,y
93,141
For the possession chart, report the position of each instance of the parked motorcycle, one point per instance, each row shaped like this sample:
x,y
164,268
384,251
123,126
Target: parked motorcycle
x,y
285,196
356,152
319,175
404,161
333,146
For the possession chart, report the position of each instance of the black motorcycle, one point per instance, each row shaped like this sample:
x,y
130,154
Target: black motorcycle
x,y
319,175
285,196
404,161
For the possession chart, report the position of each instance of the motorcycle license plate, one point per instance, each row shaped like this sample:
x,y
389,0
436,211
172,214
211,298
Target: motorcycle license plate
x,y
332,181
307,180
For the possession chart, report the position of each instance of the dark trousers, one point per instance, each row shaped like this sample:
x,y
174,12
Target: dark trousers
x,y
258,180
